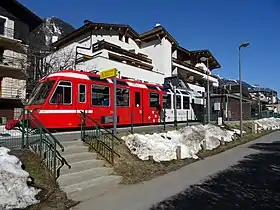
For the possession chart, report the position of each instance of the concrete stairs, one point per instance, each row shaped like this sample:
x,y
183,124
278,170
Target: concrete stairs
x,y
88,177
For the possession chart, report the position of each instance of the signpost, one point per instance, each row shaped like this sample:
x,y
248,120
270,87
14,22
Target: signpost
x,y
112,73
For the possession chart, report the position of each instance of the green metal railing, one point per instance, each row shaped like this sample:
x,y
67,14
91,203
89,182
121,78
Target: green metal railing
x,y
37,138
30,133
98,138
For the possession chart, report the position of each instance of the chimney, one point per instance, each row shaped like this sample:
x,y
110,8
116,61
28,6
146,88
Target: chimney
x,y
157,25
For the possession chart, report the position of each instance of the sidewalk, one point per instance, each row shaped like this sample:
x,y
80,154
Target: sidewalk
x,y
142,196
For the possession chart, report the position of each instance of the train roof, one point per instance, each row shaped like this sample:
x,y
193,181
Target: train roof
x,y
79,74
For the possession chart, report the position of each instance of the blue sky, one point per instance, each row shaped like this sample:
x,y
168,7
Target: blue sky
x,y
217,25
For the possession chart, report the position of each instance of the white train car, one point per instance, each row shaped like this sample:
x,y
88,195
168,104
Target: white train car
x,y
187,102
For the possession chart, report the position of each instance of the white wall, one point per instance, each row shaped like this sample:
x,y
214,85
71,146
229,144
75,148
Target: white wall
x,y
102,63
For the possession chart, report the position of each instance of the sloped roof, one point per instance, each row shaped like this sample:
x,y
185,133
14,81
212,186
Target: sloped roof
x,y
22,13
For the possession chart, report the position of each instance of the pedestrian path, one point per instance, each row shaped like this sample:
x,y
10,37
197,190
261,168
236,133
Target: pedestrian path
x,y
144,195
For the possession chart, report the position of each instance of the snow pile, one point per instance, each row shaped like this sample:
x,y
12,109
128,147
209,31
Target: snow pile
x,y
268,123
5,133
14,192
162,146
203,67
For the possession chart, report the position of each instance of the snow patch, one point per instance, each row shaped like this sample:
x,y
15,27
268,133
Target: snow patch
x,y
203,66
268,123
162,146
14,192
4,133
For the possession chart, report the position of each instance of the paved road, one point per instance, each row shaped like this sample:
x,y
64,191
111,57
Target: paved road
x,y
252,183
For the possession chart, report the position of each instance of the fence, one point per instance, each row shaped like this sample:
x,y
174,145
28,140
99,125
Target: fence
x,y
30,133
99,138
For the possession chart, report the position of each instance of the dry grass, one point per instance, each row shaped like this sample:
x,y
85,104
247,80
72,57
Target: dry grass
x,y
51,196
133,170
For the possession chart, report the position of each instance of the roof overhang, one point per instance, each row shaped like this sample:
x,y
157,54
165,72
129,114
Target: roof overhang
x,y
157,32
91,26
213,62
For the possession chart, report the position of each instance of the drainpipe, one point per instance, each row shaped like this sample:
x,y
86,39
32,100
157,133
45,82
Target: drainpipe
x,y
85,48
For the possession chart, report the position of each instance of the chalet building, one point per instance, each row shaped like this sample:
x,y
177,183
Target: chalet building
x,y
266,100
225,103
150,56
16,22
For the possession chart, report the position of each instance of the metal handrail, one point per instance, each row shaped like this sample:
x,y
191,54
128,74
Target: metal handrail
x,y
30,121
40,125
99,142
100,126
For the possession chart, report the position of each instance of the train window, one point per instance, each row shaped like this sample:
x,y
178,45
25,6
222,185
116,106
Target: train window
x,y
41,92
82,93
154,100
137,99
100,95
119,82
178,102
63,93
167,101
186,102
122,97
152,87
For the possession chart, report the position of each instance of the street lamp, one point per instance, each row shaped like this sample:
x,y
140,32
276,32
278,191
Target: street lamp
x,y
245,44
203,59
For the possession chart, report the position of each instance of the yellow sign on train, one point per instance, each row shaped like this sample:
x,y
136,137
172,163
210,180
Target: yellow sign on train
x,y
108,73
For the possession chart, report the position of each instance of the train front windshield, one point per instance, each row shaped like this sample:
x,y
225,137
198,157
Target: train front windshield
x,y
41,93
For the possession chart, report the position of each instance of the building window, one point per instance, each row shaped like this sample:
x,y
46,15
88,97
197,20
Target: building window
x,y
167,101
154,100
186,102
1,54
63,93
126,39
120,37
178,102
137,99
100,95
82,93
2,26
122,97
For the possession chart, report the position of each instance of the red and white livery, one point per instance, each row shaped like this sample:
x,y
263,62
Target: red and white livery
x,y
59,98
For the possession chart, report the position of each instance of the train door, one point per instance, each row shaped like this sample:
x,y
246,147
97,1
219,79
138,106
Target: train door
x,y
137,107
82,98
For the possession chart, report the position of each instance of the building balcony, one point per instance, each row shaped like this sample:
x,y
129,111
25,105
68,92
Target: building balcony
x,y
12,93
198,75
12,67
118,54
8,40
101,61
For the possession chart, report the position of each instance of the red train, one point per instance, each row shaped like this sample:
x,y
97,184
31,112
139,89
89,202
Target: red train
x,y
59,98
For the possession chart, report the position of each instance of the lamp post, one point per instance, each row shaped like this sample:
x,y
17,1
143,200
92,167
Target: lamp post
x,y
245,44
208,94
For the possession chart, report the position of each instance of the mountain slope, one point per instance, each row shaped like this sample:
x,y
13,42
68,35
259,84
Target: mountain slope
x,y
50,31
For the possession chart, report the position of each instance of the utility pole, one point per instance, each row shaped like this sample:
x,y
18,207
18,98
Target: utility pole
x,y
246,44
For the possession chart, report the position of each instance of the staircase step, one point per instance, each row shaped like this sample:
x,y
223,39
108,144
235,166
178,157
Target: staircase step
x,y
72,143
82,165
74,178
92,188
77,157
74,149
